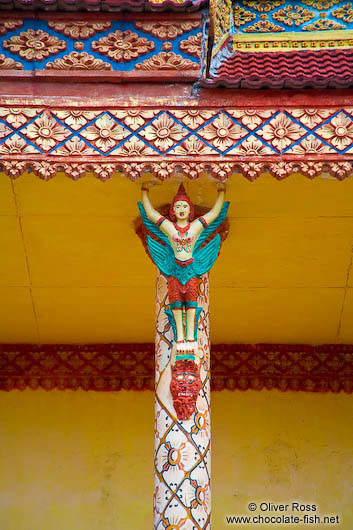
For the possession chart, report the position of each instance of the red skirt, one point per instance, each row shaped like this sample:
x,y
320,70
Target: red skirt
x,y
182,293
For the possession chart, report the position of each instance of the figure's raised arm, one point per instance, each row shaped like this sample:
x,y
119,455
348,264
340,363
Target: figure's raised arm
x,y
210,216
153,214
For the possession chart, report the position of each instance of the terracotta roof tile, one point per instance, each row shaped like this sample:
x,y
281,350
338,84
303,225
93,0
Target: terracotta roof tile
x,y
294,69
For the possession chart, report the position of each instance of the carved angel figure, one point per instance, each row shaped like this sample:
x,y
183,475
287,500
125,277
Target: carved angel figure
x,y
183,248
179,252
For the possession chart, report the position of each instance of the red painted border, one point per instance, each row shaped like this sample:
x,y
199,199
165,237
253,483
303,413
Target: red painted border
x,y
113,367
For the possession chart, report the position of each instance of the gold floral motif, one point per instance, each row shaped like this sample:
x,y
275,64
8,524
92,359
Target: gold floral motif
x,y
104,171
323,24
167,46
75,118
134,118
6,63
193,118
310,145
17,116
105,133
341,170
46,132
263,26
4,130
167,61
252,147
263,5
193,146
13,168
344,12
79,29
15,145
10,25
163,132
221,17
167,30
75,171
133,170
75,147
242,16
123,46
34,45
44,170
251,118
293,15
79,46
339,132
134,147
321,4
78,61
281,131
310,117
222,132
192,45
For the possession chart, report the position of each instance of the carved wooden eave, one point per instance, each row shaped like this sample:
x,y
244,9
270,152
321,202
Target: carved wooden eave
x,y
172,129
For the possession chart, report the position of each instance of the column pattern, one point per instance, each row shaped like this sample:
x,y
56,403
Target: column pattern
x,y
182,494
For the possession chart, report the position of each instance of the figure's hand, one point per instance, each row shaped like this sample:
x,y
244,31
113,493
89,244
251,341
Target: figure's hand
x,y
221,186
148,184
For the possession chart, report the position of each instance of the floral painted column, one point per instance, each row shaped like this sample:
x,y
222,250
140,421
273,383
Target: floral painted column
x,y
182,496
184,243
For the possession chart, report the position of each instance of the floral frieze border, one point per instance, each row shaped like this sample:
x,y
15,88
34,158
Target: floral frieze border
x,y
113,367
166,140
166,169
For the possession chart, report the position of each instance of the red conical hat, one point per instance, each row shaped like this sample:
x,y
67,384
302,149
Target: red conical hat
x,y
181,196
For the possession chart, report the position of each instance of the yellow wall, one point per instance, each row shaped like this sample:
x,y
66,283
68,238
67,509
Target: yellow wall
x,y
83,460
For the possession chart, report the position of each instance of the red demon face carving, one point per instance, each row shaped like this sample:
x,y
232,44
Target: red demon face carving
x,y
184,387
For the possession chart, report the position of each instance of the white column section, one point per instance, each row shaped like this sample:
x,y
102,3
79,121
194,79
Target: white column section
x,y
182,495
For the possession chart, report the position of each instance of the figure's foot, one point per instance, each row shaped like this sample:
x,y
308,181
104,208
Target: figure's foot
x,y
191,346
180,346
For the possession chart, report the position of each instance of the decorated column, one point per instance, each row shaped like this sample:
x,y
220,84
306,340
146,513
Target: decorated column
x,y
184,248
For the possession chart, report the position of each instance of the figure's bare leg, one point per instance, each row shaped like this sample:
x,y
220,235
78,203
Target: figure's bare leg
x,y
190,324
178,317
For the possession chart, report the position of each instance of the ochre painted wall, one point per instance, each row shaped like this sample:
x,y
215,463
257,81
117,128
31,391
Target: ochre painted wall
x,y
83,460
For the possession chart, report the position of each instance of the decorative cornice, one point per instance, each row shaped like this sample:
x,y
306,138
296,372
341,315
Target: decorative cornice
x,y
189,139
113,367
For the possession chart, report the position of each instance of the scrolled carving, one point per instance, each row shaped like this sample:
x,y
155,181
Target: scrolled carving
x,y
167,30
79,29
78,61
167,61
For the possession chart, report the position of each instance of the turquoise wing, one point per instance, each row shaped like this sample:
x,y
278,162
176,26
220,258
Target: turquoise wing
x,y
206,256
152,227
162,256
212,227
